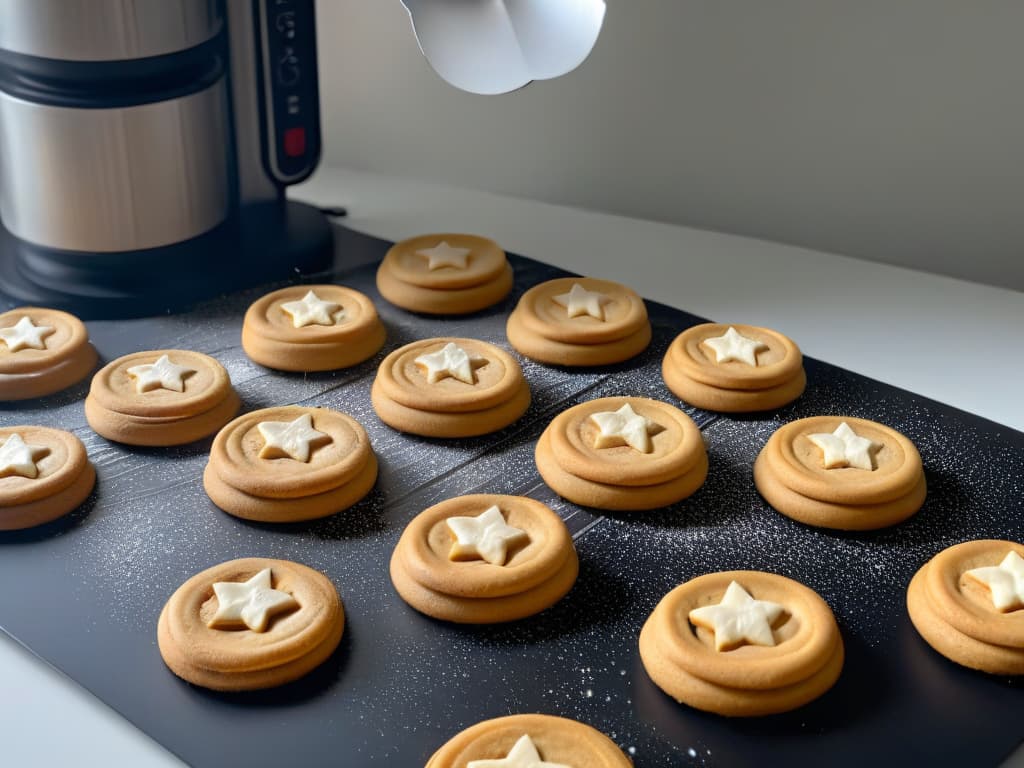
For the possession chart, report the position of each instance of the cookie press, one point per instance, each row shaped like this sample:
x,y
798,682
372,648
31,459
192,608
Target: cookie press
x,y
146,145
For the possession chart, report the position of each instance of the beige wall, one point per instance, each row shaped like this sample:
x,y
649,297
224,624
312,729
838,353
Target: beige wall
x,y
886,129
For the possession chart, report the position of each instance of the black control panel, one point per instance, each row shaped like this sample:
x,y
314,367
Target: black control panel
x,y
291,105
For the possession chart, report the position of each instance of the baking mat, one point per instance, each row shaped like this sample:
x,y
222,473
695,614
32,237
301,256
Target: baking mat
x,y
84,593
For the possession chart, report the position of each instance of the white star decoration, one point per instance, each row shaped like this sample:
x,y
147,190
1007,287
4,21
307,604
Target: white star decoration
x,y
250,603
734,346
25,335
444,255
624,427
844,448
163,374
452,361
19,458
1005,581
579,301
523,754
738,619
485,536
312,310
290,439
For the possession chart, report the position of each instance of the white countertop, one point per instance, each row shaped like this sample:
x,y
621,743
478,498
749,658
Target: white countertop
x,y
953,341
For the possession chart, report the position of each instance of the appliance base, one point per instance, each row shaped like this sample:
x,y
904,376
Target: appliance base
x,y
262,243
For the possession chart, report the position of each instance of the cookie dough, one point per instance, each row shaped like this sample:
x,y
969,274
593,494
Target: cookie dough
x,y
42,351
449,387
160,398
967,603
622,453
734,368
44,474
483,559
283,465
249,624
841,472
579,321
312,328
742,644
446,274
530,741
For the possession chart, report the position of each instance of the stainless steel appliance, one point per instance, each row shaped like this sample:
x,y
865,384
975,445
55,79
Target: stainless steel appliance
x,y
145,146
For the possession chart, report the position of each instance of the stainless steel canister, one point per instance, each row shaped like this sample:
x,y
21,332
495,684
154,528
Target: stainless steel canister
x,y
113,123
105,30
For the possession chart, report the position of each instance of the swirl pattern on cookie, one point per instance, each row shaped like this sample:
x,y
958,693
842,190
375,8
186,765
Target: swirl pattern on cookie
x,y
460,574
289,464
307,328
579,322
734,368
160,398
792,473
967,602
44,474
445,274
249,624
520,741
652,456
742,643
42,351
449,388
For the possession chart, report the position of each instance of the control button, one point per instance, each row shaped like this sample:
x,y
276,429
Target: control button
x,y
295,142
285,23
288,72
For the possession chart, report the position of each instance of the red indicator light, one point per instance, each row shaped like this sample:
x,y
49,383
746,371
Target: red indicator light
x,y
295,142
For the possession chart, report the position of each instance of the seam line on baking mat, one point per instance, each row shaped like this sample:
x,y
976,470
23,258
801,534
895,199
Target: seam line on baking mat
x,y
575,516
585,529
711,419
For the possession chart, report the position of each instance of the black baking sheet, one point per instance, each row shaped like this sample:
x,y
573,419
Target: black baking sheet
x,y
84,593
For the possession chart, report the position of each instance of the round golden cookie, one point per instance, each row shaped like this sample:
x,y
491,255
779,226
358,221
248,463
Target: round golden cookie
x,y
790,474
744,679
956,612
446,274
579,321
405,398
691,369
161,415
606,472
496,574
331,465
44,474
303,623
337,328
556,740
44,354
